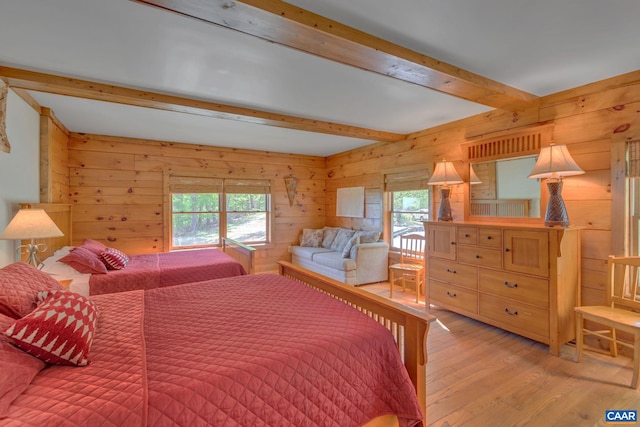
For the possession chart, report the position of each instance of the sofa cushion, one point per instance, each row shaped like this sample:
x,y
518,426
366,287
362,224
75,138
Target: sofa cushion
x,y
311,237
354,240
329,236
307,252
341,239
334,260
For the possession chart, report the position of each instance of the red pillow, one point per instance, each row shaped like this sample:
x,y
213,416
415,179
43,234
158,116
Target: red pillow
x,y
60,330
94,246
114,259
17,369
19,287
84,261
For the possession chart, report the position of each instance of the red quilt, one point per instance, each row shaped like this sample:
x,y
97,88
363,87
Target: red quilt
x,y
257,350
166,269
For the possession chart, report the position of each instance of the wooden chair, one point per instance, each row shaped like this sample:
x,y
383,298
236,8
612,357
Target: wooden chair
x,y
622,311
411,267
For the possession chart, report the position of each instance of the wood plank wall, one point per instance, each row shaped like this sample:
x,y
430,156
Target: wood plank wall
x,y
588,119
116,190
54,159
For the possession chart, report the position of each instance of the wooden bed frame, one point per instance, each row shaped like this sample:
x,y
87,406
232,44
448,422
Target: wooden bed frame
x,y
242,253
408,326
61,214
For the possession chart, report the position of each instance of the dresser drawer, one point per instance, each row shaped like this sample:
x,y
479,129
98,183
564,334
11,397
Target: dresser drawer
x,y
513,314
490,238
453,297
480,256
452,272
467,235
532,290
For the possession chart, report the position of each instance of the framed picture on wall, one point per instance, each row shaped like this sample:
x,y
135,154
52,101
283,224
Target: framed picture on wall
x,y
350,202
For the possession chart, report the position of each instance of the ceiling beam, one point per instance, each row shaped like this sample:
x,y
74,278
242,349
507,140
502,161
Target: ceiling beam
x,y
23,79
291,26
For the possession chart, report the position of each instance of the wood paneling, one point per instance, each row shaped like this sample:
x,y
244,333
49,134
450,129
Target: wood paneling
x,y
54,155
588,119
116,189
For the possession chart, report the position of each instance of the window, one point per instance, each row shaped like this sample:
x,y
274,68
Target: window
x,y
195,219
408,201
203,210
633,176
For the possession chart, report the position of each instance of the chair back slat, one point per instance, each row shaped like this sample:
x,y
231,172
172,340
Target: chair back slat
x,y
623,284
412,248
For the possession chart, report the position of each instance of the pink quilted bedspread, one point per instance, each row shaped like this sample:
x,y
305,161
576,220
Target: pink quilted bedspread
x,y
166,269
111,391
256,350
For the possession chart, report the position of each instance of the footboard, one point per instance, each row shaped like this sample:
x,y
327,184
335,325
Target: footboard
x,y
242,253
408,325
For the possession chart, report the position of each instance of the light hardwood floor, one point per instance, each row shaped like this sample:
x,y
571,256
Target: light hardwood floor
x,y
478,375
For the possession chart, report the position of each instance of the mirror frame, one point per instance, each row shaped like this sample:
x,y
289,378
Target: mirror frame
x,y
507,145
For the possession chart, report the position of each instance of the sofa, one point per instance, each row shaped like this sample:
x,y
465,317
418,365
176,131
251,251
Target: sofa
x,y
349,256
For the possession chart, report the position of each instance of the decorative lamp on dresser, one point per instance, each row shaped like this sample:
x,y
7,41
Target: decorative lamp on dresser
x,y
521,278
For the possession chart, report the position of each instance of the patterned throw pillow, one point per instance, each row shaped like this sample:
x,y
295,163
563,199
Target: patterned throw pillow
x,y
59,331
114,259
354,240
341,239
330,234
84,261
311,238
19,287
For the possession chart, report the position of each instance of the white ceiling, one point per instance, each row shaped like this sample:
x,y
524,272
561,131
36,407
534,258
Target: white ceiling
x,y
537,46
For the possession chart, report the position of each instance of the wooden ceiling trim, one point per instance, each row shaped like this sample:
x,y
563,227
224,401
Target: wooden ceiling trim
x,y
30,80
512,144
288,25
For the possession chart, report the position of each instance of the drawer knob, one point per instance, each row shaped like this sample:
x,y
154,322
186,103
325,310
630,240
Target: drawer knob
x,y
452,295
477,256
451,271
488,237
466,235
506,249
511,313
515,285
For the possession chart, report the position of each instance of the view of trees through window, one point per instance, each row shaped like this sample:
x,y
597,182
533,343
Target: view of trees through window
x,y
247,217
197,218
408,210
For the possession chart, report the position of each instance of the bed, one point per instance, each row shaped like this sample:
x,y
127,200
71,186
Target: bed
x,y
144,271
147,271
288,349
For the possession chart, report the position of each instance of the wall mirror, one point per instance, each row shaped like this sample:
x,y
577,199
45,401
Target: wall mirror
x,y
498,167
504,190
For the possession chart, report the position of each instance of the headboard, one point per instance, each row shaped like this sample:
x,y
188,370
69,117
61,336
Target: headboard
x,y
60,213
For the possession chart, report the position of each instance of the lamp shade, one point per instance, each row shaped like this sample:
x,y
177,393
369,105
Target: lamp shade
x,y
555,161
445,174
31,224
473,178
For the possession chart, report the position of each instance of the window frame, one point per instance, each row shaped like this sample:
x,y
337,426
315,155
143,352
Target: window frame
x,y
404,179
190,182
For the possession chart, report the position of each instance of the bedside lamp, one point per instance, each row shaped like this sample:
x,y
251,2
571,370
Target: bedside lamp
x,y
445,175
555,162
31,224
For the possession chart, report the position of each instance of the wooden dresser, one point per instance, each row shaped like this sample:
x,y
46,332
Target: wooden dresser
x,y
524,279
